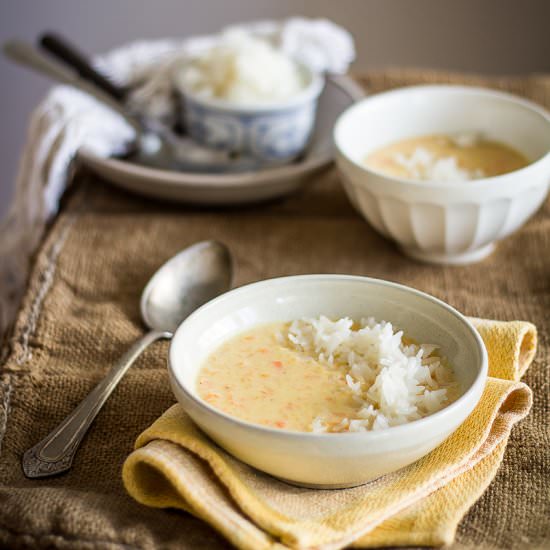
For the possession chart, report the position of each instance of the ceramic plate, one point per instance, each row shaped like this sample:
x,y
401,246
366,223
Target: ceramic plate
x,y
339,93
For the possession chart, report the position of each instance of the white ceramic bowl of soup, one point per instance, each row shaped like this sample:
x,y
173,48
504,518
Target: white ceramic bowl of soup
x,y
441,222
321,459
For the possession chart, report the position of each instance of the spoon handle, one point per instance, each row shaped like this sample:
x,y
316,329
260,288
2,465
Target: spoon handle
x,y
55,453
63,50
33,58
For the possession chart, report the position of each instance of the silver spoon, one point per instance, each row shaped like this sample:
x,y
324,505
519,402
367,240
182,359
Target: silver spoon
x,y
181,285
156,145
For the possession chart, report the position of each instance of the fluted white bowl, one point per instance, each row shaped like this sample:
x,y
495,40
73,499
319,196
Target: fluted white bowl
x,y
327,460
444,222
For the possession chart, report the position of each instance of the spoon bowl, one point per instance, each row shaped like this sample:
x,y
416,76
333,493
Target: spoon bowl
x,y
185,282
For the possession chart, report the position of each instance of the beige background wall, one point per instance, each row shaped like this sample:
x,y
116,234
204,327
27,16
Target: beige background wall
x,y
492,36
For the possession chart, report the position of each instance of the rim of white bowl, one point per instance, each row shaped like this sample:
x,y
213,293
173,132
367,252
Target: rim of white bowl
x,y
310,92
391,431
474,90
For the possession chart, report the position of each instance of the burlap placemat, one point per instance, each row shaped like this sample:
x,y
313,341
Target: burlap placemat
x,y
81,311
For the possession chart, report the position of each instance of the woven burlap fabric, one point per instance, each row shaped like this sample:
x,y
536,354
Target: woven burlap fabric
x,y
81,311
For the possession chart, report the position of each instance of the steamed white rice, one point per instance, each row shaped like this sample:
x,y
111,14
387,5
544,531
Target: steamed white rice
x,y
393,382
244,70
424,165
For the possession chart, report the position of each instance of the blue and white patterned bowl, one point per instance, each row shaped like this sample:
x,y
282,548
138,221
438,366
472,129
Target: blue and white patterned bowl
x,y
274,133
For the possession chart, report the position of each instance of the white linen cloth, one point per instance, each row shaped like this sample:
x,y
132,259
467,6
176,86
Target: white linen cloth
x,y
68,119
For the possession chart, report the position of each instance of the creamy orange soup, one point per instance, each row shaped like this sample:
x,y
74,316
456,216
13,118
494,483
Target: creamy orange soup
x,y
474,156
245,375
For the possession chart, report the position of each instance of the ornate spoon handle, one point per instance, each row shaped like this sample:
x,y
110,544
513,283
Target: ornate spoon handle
x,y
55,453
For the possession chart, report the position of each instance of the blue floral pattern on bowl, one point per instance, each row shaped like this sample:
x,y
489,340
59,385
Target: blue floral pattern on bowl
x,y
278,134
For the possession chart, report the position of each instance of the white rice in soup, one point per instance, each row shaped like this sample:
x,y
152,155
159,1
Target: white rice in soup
x,y
393,380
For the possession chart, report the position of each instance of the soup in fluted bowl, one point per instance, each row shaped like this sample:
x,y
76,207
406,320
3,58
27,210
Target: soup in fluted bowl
x,y
445,171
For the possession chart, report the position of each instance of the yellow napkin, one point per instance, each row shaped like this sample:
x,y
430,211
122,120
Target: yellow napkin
x,y
175,465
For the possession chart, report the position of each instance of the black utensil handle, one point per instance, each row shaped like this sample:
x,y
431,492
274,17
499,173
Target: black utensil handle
x,y
71,56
